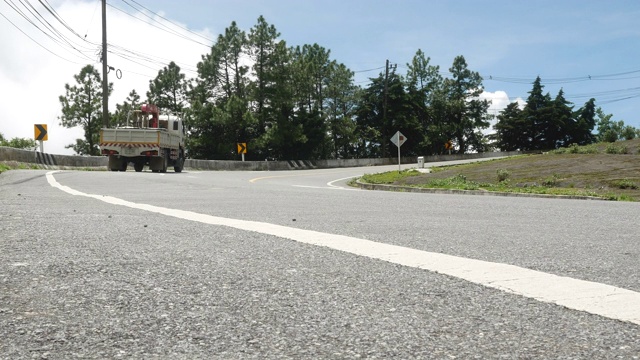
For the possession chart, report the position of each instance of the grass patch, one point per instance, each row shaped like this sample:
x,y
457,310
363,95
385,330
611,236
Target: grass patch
x,y
389,177
4,167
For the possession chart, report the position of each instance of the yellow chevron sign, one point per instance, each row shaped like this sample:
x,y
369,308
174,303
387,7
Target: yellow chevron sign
x,y
242,148
40,132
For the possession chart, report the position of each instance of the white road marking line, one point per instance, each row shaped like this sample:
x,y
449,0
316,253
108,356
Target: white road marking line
x,y
323,187
595,298
330,183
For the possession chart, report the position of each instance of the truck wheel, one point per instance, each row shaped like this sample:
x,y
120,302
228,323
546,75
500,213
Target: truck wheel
x,y
165,161
138,166
123,165
179,164
114,163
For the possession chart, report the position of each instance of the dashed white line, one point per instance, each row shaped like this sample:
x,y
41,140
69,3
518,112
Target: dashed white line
x,y
595,298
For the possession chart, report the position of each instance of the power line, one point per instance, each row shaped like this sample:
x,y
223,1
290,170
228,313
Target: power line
x,y
163,27
173,23
56,37
361,71
37,43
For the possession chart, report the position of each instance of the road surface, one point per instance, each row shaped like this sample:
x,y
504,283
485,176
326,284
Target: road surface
x,y
296,264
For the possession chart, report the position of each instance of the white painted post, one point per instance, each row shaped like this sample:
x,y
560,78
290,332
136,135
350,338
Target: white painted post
x,y
399,159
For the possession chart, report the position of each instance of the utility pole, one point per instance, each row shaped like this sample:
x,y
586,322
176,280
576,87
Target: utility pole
x,y
105,81
384,108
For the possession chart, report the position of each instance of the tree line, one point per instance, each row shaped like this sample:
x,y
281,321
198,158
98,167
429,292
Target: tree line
x,y
298,103
18,142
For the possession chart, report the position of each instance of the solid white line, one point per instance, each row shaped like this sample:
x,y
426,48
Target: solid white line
x,y
323,187
330,183
595,298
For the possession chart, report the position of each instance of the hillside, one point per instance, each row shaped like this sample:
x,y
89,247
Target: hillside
x,y
606,170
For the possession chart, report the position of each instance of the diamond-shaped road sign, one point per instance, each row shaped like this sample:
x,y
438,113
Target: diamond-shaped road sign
x,y
40,132
398,139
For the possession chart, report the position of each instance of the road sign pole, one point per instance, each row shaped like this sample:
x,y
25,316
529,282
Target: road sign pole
x,y
41,146
398,139
243,157
399,159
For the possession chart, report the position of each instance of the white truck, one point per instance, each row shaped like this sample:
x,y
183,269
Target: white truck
x,y
148,138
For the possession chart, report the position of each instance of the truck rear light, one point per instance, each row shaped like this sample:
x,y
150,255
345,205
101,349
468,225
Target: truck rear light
x,y
151,153
109,152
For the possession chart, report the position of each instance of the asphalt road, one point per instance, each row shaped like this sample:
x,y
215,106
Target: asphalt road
x,y
81,277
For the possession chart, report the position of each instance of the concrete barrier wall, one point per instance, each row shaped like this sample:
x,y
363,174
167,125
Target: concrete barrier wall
x,y
34,157
236,165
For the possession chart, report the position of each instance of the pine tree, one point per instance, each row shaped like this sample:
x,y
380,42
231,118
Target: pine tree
x,y
169,89
582,133
468,114
511,133
82,106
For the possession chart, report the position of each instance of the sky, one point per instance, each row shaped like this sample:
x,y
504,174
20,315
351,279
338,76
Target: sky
x,y
587,48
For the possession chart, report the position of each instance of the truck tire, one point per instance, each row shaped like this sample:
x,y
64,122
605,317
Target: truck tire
x,y
179,165
138,166
165,161
114,163
123,165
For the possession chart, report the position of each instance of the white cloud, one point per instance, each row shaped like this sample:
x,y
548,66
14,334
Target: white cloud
x,y
33,78
499,100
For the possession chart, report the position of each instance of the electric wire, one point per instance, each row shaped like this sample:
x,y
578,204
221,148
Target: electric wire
x,y
173,23
36,42
56,39
163,28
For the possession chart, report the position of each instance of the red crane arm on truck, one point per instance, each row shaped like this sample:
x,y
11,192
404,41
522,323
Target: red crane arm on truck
x,y
153,110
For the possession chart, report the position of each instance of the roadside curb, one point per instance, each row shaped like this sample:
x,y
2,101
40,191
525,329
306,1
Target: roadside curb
x,y
411,189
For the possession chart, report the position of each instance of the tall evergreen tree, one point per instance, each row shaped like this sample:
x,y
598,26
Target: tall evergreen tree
x,y
82,106
536,113
285,135
582,133
509,129
262,42
560,124
169,89
310,68
220,99
341,95
468,113
376,130
423,82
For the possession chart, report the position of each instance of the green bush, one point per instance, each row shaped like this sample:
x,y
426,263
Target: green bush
x,y
503,175
615,149
573,149
577,149
551,181
624,184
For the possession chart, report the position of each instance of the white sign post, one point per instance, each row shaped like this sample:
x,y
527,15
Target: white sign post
x,y
398,139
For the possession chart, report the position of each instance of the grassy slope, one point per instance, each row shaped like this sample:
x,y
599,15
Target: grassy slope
x,y
598,174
